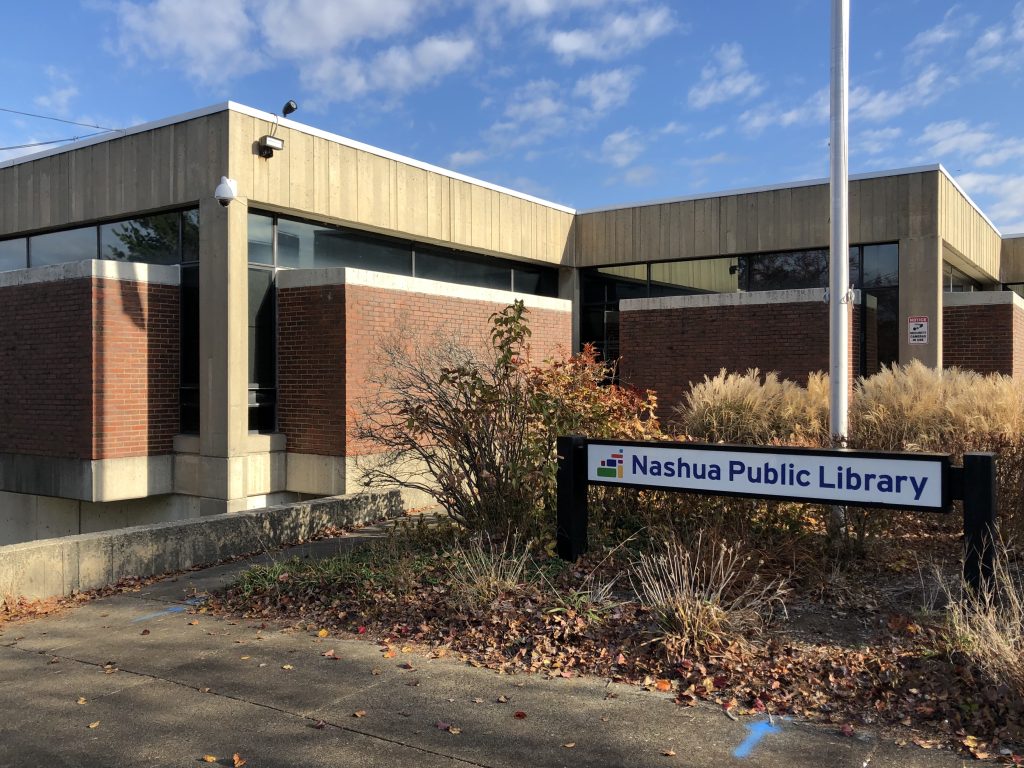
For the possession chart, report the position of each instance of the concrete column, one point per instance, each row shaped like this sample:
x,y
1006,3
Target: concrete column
x,y
569,288
921,294
223,349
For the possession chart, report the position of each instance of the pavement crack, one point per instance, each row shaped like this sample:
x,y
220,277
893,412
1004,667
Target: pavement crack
x,y
270,707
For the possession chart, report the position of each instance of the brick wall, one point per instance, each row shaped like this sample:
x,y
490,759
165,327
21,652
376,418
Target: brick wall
x,y
668,349
328,341
135,368
88,368
988,338
45,369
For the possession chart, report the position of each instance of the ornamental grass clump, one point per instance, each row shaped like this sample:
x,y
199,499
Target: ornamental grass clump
x,y
704,597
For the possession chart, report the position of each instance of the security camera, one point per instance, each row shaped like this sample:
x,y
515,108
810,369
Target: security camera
x,y
226,191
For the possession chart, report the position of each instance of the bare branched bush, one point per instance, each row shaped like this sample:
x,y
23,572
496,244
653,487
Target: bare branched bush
x,y
704,597
484,570
476,431
989,628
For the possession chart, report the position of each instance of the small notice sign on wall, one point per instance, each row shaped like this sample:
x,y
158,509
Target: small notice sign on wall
x,y
917,329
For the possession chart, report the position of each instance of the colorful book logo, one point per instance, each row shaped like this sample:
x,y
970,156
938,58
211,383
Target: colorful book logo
x,y
612,466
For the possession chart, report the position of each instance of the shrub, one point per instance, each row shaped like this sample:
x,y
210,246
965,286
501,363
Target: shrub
x,y
476,432
703,598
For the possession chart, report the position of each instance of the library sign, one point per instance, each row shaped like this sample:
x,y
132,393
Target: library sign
x,y
907,481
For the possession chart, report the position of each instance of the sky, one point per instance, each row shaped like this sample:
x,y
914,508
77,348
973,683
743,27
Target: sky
x,y
583,102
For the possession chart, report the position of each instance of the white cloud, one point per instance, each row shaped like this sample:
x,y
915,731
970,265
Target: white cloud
x,y
622,147
726,78
673,128
212,41
640,176
718,158
307,29
814,110
613,36
539,9
955,137
1005,197
950,28
398,69
1000,46
467,158
534,112
713,133
606,90
874,142
62,91
869,104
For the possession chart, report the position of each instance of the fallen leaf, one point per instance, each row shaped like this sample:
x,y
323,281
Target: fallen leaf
x,y
209,759
406,666
322,633
442,726
668,752
454,730
361,630
144,632
846,730
477,701
95,724
320,724
359,713
389,654
519,715
237,760
245,658
503,699
569,745
81,700
406,649
375,671
663,685
287,666
54,660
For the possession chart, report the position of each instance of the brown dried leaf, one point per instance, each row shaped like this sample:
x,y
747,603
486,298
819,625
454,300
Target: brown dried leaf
x,y
668,752
81,700
237,760
570,745
663,685
95,724
519,715
359,713
287,666
209,759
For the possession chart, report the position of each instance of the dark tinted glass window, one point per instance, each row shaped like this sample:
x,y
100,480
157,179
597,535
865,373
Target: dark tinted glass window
x,y
881,265
190,235
150,240
189,366
451,268
261,239
62,247
784,271
13,254
261,328
540,281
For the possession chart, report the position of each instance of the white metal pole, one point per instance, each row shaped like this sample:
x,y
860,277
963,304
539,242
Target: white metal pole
x,y
839,241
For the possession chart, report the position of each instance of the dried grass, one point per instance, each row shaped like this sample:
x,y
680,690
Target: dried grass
x,y
989,628
704,597
483,571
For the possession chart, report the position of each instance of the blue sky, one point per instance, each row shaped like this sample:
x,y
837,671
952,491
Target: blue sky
x,y
584,102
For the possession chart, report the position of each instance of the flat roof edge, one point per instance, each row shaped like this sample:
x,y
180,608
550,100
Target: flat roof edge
x,y
310,130
117,134
765,188
234,106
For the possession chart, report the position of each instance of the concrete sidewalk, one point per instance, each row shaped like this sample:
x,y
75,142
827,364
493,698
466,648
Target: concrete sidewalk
x,y
168,687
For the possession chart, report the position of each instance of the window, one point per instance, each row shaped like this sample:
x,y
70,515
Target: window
x,y
188,396
262,350
784,271
13,254
956,281
150,240
453,267
304,245
61,247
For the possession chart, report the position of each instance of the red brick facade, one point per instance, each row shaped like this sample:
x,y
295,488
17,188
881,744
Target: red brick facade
x,y
987,338
668,349
88,368
328,337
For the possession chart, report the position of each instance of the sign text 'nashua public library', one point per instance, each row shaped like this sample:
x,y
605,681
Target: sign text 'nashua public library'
x,y
807,475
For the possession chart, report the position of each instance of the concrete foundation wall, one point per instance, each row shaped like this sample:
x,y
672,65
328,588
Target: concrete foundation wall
x,y
89,561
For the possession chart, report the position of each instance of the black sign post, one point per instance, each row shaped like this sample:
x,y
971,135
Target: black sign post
x,y
923,482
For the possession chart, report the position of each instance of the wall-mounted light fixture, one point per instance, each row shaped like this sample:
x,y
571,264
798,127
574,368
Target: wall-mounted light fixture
x,y
270,143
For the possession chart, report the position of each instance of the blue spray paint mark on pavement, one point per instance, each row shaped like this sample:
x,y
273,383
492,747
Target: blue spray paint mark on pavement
x,y
164,612
757,731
